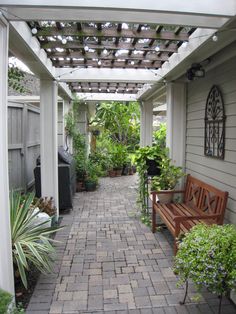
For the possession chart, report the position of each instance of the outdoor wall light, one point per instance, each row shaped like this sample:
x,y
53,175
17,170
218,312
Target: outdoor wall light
x,y
196,71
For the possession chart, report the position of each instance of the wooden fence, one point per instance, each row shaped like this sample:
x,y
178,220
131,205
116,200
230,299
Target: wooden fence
x,y
23,144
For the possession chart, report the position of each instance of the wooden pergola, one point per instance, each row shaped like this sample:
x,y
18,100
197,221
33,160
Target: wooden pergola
x,y
108,45
101,47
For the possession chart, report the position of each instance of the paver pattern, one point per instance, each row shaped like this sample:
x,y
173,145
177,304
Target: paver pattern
x,y
108,262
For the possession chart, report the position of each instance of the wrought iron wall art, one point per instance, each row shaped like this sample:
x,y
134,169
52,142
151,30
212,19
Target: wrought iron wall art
x,y
214,124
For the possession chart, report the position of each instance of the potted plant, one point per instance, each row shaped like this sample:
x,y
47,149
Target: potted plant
x,y
91,179
167,180
119,155
150,158
45,205
207,256
31,243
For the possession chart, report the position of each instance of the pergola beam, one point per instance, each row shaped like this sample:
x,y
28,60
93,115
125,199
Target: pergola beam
x,y
111,33
105,75
106,97
75,44
201,13
92,55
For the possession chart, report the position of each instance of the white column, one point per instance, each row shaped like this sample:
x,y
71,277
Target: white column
x,y
176,122
68,139
61,126
146,123
82,124
6,266
48,147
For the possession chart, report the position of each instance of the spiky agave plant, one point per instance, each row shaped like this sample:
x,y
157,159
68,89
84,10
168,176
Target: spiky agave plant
x,y
31,244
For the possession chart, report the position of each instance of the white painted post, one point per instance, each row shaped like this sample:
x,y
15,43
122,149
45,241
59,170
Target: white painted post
x,y
48,147
68,140
6,266
82,124
176,122
61,125
146,123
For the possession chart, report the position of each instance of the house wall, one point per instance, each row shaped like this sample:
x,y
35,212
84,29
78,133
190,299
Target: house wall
x,y
220,173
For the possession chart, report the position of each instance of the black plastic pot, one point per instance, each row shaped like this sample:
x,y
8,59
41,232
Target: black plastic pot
x,y
153,168
125,170
90,186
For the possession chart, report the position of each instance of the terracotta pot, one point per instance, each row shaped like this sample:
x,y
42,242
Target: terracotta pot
x,y
112,173
118,172
165,198
80,186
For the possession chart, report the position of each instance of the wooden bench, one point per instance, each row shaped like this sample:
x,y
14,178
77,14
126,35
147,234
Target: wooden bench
x,y
202,203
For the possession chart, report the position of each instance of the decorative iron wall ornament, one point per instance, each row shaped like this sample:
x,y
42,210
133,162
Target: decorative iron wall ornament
x,y
214,124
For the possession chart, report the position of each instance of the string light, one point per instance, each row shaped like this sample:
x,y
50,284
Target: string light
x,y
105,52
184,44
215,38
64,41
99,62
86,48
34,31
157,48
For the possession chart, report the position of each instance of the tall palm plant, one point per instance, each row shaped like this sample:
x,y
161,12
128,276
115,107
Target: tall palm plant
x,y
31,244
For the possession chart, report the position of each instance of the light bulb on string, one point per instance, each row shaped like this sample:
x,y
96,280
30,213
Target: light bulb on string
x,y
34,31
215,38
64,41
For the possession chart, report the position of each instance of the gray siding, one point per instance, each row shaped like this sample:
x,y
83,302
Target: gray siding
x,y
220,173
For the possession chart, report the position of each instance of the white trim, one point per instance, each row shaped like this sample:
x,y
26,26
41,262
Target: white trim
x,y
49,141
176,122
6,264
106,97
105,75
146,123
201,13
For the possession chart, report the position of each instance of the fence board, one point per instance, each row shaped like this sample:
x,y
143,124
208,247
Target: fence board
x,y
23,144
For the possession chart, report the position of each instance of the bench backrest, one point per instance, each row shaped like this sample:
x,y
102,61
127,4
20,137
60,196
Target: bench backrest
x,y
204,197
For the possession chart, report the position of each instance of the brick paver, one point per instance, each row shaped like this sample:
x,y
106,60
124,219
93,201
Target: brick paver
x,y
109,262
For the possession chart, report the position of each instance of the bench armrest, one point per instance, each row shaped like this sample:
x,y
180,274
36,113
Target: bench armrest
x,y
167,192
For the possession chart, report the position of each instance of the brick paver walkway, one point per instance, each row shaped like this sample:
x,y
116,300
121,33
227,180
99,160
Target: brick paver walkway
x,y
108,262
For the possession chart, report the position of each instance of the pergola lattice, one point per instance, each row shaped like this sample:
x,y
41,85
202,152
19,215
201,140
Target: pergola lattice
x,y
109,45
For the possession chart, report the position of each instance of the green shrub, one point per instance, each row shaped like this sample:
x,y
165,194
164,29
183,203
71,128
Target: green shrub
x,y
207,256
5,300
169,176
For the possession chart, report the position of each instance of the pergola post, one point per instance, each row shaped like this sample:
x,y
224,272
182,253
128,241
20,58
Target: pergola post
x,y
82,123
68,139
176,122
48,147
61,124
146,123
6,266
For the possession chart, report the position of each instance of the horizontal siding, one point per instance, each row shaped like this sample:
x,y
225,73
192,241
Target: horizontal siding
x,y
220,173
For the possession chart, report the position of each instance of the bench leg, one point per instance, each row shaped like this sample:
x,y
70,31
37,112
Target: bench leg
x,y
175,246
153,220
